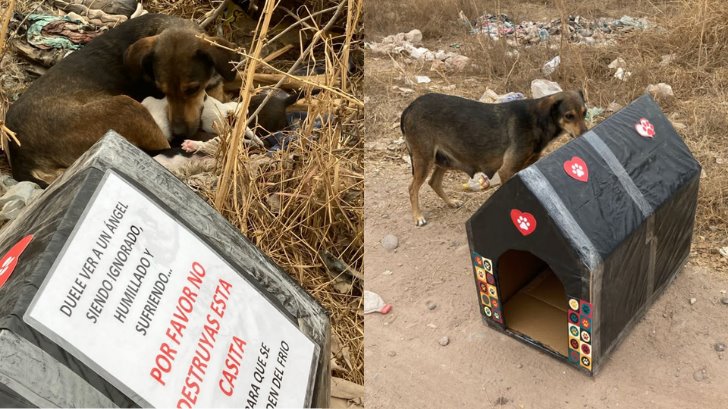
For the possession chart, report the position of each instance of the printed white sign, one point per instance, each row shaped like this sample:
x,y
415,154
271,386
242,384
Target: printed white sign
x,y
143,301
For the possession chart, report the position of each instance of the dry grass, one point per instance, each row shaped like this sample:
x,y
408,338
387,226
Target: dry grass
x,y
305,205
696,31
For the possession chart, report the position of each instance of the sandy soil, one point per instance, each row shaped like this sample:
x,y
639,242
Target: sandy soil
x,y
669,360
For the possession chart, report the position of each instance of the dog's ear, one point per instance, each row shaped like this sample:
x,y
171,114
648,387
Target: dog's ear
x,y
138,58
220,56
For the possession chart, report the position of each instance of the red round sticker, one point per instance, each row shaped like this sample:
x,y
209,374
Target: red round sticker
x,y
10,259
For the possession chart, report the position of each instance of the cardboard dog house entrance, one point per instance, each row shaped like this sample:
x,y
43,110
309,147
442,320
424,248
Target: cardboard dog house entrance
x,y
534,300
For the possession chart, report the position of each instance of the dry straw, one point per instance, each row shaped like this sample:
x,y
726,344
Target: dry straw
x,y
304,205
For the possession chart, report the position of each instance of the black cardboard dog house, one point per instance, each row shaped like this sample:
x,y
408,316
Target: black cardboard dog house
x,y
119,286
570,252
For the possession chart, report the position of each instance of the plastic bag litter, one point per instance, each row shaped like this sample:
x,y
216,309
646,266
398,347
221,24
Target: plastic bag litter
x,y
551,65
660,90
374,303
541,88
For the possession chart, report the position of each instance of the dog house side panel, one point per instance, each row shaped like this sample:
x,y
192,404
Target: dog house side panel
x,y
624,288
674,223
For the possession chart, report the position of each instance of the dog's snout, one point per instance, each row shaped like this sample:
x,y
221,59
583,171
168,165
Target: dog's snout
x,y
179,128
582,128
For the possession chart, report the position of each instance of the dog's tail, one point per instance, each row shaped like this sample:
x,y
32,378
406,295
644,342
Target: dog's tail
x,y
401,127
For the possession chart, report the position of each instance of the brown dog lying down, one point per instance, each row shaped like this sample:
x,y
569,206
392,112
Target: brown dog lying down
x,y
448,132
99,87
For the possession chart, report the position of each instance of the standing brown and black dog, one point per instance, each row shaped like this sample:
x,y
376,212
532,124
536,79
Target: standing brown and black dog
x,y
99,87
450,132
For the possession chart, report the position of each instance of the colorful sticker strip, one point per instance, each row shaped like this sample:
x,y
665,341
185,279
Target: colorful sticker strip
x,y
489,302
580,330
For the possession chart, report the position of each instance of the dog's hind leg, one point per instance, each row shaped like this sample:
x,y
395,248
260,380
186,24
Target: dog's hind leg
x,y
436,184
420,169
127,117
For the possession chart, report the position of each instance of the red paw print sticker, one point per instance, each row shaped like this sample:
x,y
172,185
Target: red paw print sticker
x,y
525,222
645,128
577,169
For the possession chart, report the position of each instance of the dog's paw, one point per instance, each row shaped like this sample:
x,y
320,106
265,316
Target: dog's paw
x,y
190,146
420,221
455,203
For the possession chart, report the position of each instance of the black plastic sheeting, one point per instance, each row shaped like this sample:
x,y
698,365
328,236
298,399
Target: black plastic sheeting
x,y
34,371
615,240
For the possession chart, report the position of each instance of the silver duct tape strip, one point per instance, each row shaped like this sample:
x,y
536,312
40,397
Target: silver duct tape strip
x,y
545,192
42,382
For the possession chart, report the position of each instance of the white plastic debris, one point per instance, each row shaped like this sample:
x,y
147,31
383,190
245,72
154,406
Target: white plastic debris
x,y
422,79
14,196
374,303
414,37
618,62
489,96
551,65
622,74
477,183
541,88
660,90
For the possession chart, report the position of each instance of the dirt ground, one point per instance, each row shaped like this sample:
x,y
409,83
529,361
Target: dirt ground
x,y
669,360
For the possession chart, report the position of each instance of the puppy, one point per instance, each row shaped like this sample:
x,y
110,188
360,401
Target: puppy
x,y
213,112
447,132
97,88
271,119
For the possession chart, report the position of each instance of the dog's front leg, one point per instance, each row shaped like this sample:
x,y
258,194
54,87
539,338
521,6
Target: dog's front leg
x,y
514,160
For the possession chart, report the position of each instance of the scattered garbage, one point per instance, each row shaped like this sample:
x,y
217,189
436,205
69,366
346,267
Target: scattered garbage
x,y
580,30
620,65
660,90
613,107
622,74
422,79
723,251
491,97
14,196
46,32
618,62
409,44
592,113
665,60
551,65
477,183
541,88
374,303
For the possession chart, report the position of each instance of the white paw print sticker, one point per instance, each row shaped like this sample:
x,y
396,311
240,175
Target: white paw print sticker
x,y
577,170
523,223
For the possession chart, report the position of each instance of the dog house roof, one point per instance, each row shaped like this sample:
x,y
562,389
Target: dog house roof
x,y
573,207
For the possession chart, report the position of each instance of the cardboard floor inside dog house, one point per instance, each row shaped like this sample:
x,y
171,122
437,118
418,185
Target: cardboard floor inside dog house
x,y
538,310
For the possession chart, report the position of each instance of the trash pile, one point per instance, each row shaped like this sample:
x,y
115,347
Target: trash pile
x,y
45,37
411,44
581,30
